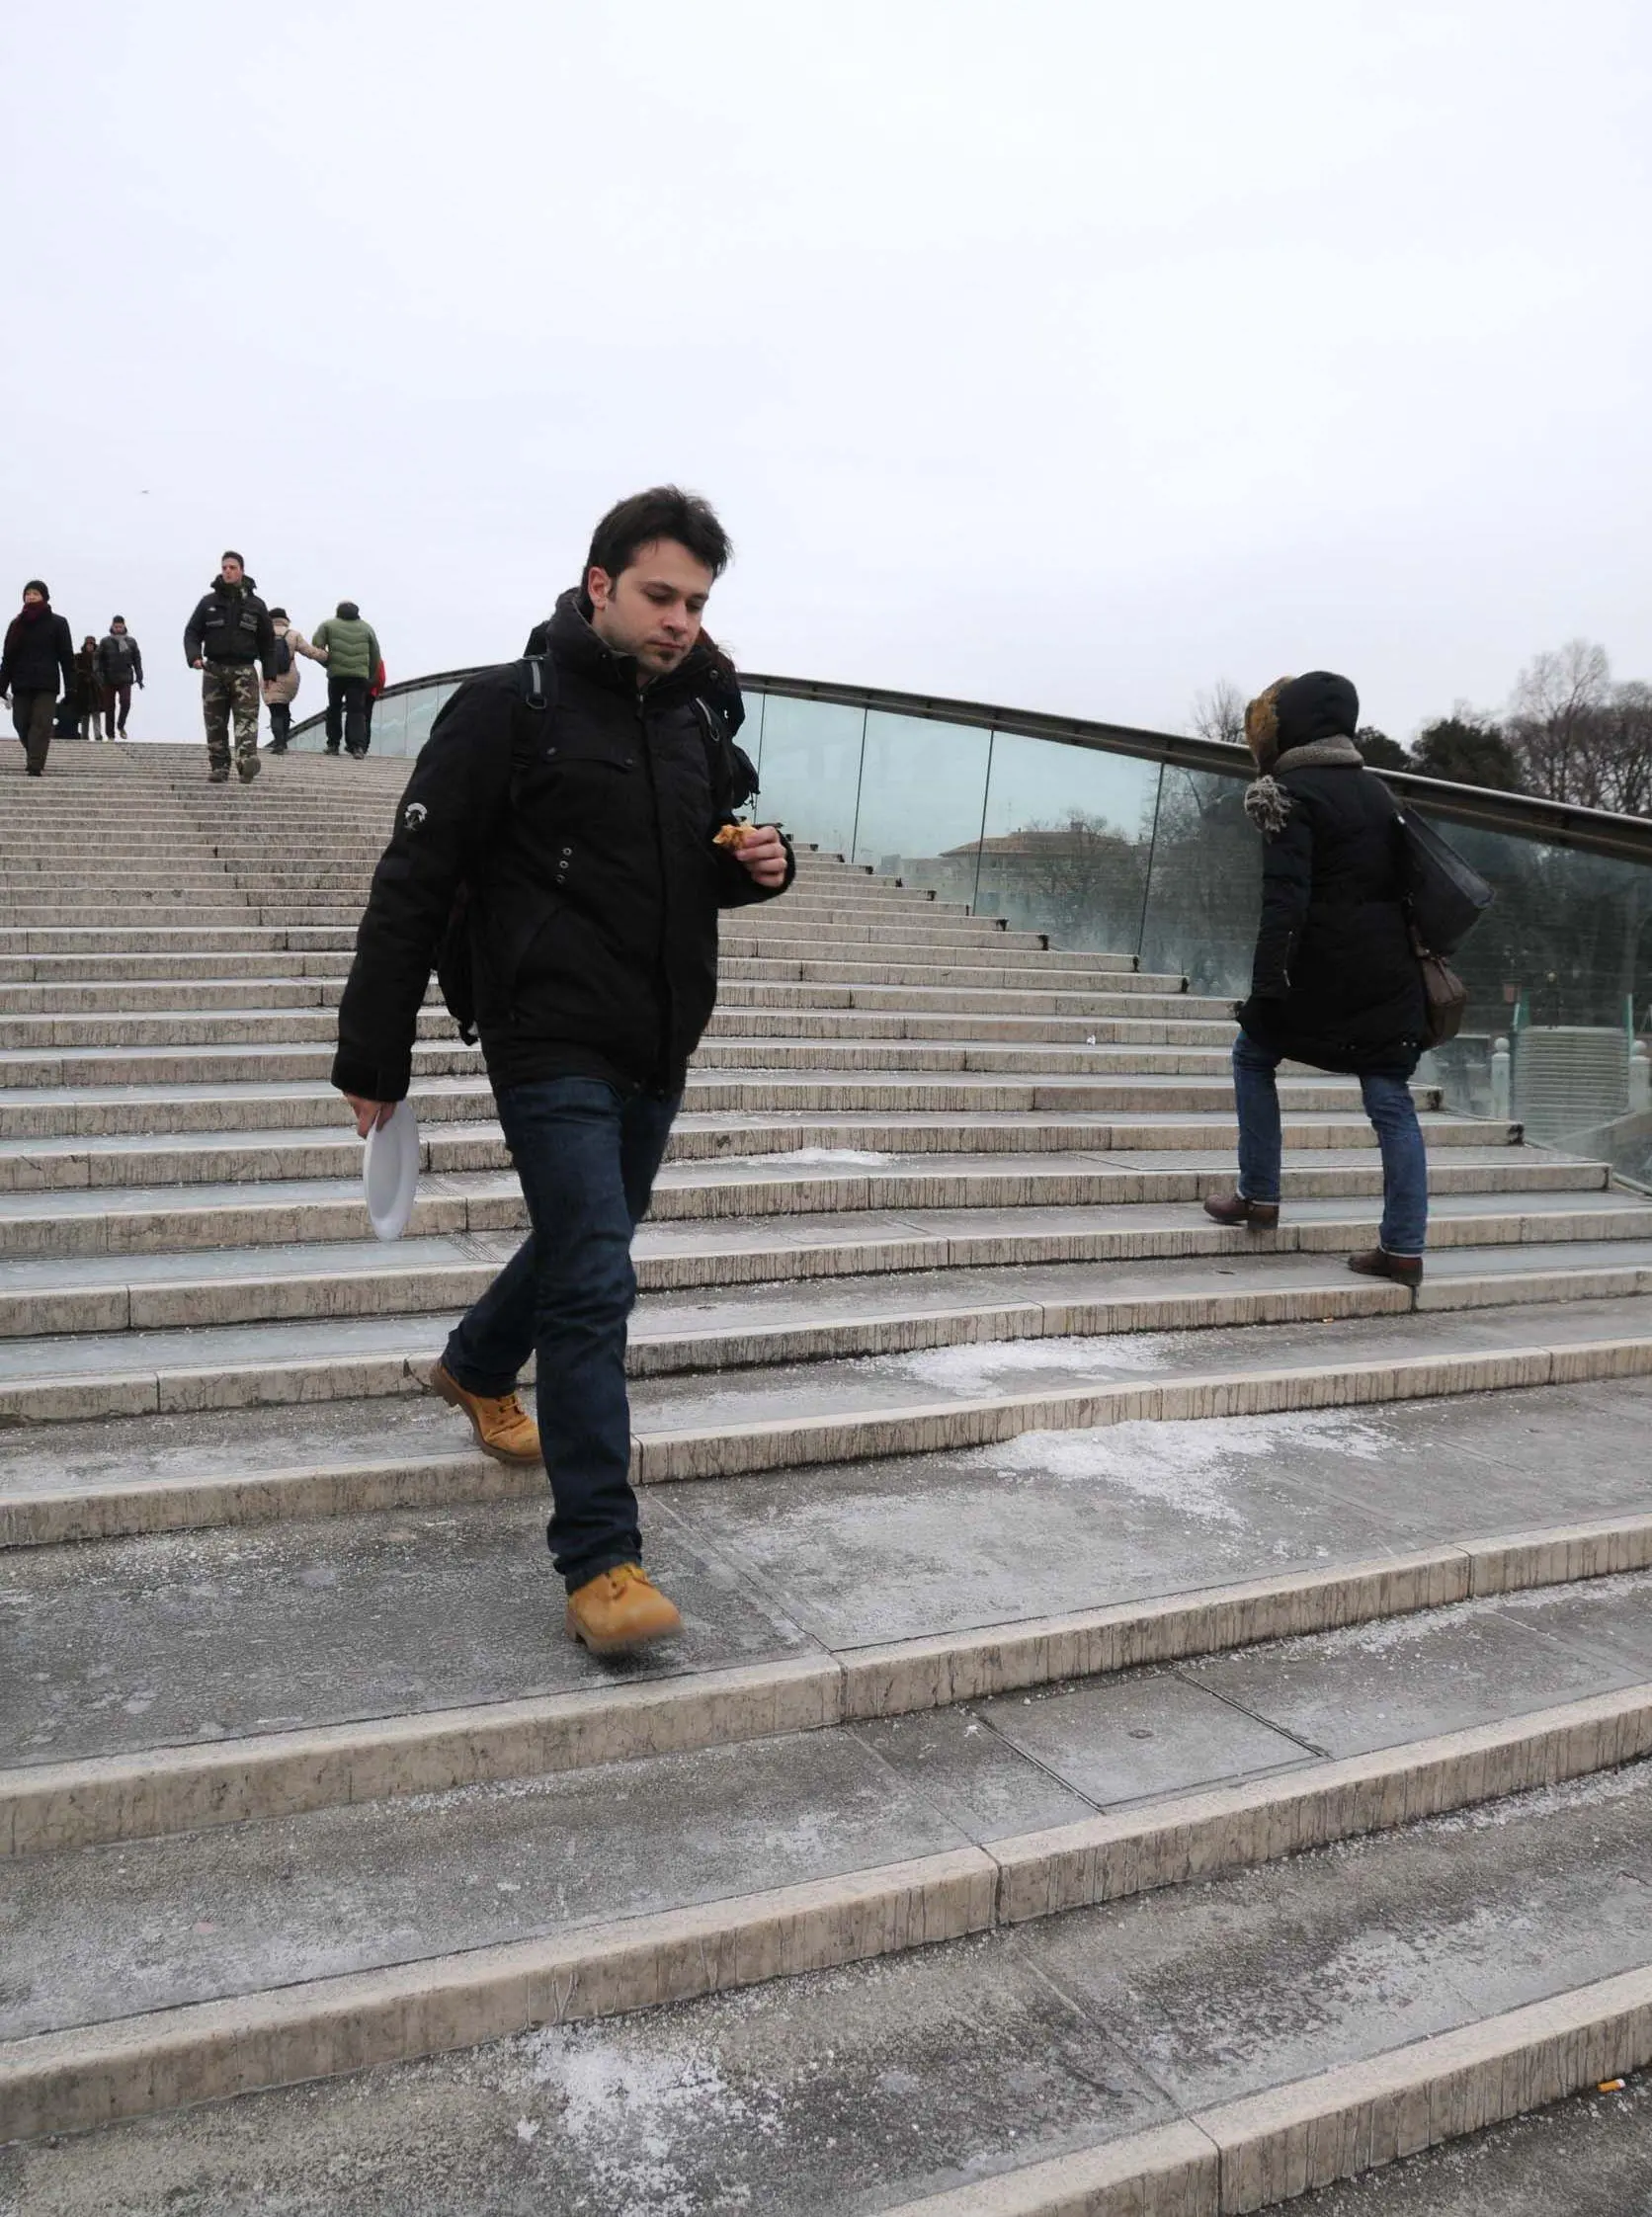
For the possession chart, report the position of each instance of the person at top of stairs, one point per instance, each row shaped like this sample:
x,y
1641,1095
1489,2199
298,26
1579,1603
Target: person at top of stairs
x,y
1335,982
282,690
228,633
349,645
579,808
39,649
120,668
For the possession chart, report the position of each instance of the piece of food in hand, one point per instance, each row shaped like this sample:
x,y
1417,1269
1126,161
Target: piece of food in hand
x,y
733,835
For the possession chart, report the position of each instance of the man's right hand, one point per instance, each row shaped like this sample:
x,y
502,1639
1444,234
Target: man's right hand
x,y
371,1116
198,664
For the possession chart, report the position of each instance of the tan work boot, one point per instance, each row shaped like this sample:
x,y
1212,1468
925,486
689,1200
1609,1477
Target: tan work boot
x,y
619,1610
502,1426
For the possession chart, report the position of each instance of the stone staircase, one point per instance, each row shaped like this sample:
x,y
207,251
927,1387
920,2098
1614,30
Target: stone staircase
x,y
1161,1722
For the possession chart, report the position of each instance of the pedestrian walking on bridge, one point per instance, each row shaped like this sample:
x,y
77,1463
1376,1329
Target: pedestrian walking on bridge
x,y
120,668
226,639
586,805
36,663
1335,982
282,689
351,648
88,688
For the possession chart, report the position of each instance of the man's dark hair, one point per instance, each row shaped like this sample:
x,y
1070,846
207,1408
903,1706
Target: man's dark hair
x,y
115,620
229,555
663,512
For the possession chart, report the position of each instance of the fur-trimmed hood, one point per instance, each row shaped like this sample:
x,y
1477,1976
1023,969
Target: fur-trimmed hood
x,y
1267,803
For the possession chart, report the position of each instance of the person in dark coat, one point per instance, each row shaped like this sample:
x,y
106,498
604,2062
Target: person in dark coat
x,y
587,807
120,667
1335,981
36,664
88,688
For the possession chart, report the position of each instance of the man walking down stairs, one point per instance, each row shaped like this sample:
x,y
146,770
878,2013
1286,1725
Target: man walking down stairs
x,y
1159,1722
579,800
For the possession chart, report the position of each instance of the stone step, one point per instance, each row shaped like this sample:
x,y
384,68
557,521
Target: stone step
x,y
230,1014
963,1313
834,1409
846,1142
177,1285
292,1953
696,1182
671,2097
205,1090
291,1023
249,937
754,1661
67,983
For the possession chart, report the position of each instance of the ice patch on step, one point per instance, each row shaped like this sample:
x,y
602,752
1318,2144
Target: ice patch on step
x,y
1596,1791
624,2106
983,1365
814,1158
1392,1634
1187,1464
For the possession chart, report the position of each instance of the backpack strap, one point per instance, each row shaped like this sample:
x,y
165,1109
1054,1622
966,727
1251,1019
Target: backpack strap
x,y
733,775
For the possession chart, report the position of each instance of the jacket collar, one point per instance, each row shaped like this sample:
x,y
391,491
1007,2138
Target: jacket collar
x,y
576,647
1321,754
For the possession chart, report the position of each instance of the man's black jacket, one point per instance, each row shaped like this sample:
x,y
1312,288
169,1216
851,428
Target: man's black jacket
x,y
119,659
594,885
38,649
231,624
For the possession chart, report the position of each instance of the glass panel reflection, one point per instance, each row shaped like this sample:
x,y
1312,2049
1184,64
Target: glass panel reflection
x,y
1560,966
1065,851
922,790
811,770
1206,885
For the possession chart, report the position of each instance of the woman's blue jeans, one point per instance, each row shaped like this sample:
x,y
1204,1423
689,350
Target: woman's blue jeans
x,y
1399,1137
586,1154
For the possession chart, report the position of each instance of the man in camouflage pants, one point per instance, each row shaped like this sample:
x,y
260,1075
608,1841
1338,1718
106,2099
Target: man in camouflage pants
x,y
226,638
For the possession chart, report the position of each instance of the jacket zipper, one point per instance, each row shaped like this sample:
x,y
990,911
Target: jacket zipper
x,y
667,1009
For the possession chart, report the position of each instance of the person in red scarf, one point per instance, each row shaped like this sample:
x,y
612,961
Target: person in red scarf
x,y
39,650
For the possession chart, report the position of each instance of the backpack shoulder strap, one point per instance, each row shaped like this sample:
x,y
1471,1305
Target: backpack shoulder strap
x,y
733,777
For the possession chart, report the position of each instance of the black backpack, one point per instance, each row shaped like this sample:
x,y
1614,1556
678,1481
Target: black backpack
x,y
720,713
282,660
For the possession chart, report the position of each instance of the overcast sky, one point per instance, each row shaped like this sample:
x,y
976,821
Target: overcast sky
x,y
1063,352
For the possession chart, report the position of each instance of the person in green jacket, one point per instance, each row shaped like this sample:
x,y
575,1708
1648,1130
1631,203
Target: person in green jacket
x,y
349,648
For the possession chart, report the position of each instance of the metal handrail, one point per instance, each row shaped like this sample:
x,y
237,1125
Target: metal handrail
x,y
1556,823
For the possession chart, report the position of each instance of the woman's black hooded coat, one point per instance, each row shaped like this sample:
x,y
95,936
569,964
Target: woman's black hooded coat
x,y
1335,981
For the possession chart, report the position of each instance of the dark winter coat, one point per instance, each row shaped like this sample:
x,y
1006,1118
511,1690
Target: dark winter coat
x,y
39,654
1335,982
594,885
88,686
231,624
119,661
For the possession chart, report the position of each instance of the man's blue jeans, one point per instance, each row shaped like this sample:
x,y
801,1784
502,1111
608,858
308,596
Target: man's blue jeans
x,y
586,1155
1393,1115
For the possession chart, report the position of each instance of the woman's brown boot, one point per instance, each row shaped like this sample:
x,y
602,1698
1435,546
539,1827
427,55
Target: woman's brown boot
x,y
1376,1262
1234,1208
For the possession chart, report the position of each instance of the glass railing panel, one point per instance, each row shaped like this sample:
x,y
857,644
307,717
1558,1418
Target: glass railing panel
x,y
1067,835
1206,895
922,788
390,724
1561,967
811,770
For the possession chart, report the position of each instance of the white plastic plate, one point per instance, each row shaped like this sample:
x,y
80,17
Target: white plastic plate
x,y
391,1172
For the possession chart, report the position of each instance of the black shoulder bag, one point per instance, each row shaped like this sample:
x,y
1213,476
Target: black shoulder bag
x,y
1444,899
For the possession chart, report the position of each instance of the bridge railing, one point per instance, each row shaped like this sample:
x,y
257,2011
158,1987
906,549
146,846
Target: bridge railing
x,y
1109,838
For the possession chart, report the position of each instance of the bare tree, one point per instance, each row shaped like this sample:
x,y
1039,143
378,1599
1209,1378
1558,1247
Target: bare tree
x,y
1219,715
1555,723
1624,779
